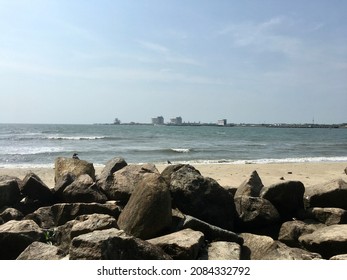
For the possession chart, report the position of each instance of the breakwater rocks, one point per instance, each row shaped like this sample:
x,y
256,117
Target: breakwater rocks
x,y
135,212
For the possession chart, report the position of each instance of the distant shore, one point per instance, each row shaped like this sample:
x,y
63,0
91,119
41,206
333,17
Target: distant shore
x,y
231,175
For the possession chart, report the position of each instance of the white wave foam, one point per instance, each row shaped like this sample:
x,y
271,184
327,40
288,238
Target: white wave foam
x,y
75,137
30,150
180,150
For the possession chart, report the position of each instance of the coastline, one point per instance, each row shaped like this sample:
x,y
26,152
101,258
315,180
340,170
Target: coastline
x,y
230,175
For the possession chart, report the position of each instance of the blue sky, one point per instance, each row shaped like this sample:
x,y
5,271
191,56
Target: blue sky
x,y
247,61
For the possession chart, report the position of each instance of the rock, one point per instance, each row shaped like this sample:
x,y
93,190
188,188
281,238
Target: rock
x,y
76,167
60,185
328,216
148,212
105,178
113,244
83,189
328,241
255,212
126,180
223,250
59,214
202,197
82,224
251,186
92,222
345,170
9,191
339,257
181,245
35,189
170,169
15,236
332,194
41,251
287,197
11,214
291,231
258,247
211,232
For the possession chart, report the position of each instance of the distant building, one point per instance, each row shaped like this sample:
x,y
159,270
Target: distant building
x,y
176,121
222,122
116,121
158,120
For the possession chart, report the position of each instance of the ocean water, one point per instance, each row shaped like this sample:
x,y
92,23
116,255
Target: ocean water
x,y
33,145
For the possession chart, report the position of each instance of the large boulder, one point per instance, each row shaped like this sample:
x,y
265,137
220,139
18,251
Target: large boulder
x,y
202,197
211,232
251,186
255,212
105,178
328,216
34,188
15,236
113,244
126,180
74,166
41,251
328,241
83,189
11,214
9,191
181,245
59,214
222,250
291,231
331,194
258,247
148,212
287,197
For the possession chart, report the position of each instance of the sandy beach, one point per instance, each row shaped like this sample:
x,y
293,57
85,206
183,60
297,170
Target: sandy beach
x,y
232,175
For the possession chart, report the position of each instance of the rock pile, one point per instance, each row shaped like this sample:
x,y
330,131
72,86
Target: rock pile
x,y
135,212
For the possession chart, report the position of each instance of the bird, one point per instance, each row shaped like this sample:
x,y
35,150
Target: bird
x,y
169,162
75,156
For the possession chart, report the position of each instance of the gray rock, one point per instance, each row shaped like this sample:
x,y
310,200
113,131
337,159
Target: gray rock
x,y
328,241
113,244
251,186
60,185
59,214
11,214
287,197
41,251
83,189
148,211
211,232
76,167
15,236
339,257
223,250
258,247
328,216
126,180
105,179
35,189
92,222
181,245
202,197
9,191
332,194
291,231
255,212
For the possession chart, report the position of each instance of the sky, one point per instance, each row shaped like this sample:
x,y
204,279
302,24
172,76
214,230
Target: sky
x,y
249,61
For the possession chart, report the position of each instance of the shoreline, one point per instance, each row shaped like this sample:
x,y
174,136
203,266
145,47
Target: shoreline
x,y
230,175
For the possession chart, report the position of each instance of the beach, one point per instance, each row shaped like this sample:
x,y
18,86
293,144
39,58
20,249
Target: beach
x,y
231,175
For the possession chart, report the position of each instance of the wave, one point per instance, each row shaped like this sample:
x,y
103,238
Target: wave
x,y
75,137
180,150
267,160
31,150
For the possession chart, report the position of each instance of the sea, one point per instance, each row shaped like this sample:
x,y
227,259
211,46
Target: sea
x,y
38,145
